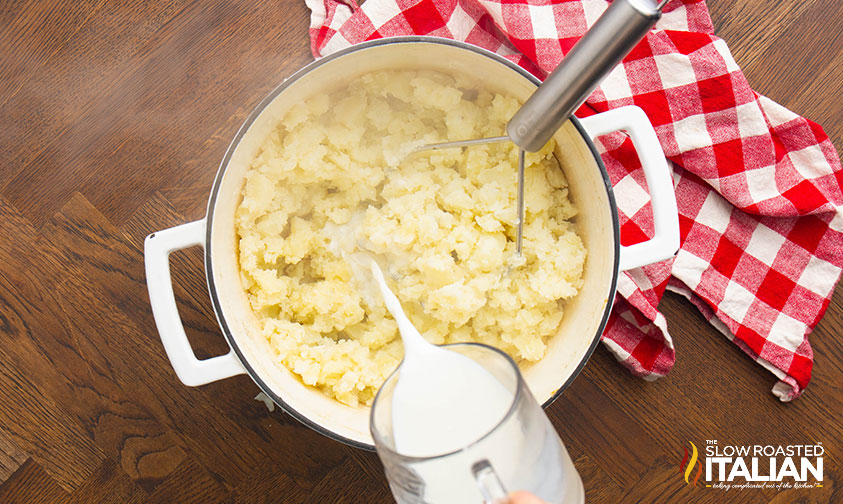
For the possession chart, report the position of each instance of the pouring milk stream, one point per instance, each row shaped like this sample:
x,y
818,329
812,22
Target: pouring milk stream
x,y
443,400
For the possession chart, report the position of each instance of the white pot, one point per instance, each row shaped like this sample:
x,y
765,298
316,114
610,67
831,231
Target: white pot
x,y
590,190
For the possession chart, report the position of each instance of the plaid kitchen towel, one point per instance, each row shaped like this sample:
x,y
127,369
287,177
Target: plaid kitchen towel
x,y
758,187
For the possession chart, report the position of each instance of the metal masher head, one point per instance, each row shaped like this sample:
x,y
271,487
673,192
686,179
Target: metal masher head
x,y
604,45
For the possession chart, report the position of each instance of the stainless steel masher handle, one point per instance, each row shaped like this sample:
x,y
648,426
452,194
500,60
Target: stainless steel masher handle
x,y
616,32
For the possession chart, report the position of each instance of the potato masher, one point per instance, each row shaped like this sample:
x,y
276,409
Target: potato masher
x,y
604,45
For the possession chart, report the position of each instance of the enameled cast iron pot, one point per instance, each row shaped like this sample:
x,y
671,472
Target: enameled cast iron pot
x,y
590,190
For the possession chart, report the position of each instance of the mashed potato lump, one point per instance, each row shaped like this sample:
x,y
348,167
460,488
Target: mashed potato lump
x,y
335,177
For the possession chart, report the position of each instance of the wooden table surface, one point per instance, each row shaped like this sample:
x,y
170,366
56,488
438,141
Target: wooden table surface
x,y
113,119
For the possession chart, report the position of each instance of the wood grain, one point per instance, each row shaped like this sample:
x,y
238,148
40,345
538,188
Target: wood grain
x,y
115,116
11,457
30,483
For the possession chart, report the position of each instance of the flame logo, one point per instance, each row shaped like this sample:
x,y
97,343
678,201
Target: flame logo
x,y
686,470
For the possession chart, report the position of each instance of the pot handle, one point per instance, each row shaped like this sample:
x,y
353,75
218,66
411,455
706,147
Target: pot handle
x,y
665,241
190,370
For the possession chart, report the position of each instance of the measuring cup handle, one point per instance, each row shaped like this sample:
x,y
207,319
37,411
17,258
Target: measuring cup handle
x,y
604,45
490,485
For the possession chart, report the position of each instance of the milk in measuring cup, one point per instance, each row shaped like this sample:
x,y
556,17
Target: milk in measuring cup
x,y
451,407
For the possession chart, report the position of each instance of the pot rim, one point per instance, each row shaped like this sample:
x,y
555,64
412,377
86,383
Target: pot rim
x,y
247,123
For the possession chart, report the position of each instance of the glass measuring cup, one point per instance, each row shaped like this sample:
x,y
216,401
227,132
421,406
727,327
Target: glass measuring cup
x,y
522,451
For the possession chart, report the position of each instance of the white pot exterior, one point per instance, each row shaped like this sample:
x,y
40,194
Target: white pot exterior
x,y
590,190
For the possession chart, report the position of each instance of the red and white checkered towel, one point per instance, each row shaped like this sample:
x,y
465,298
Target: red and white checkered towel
x,y
758,187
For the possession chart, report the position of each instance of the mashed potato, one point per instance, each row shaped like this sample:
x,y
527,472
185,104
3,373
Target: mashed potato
x,y
334,177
